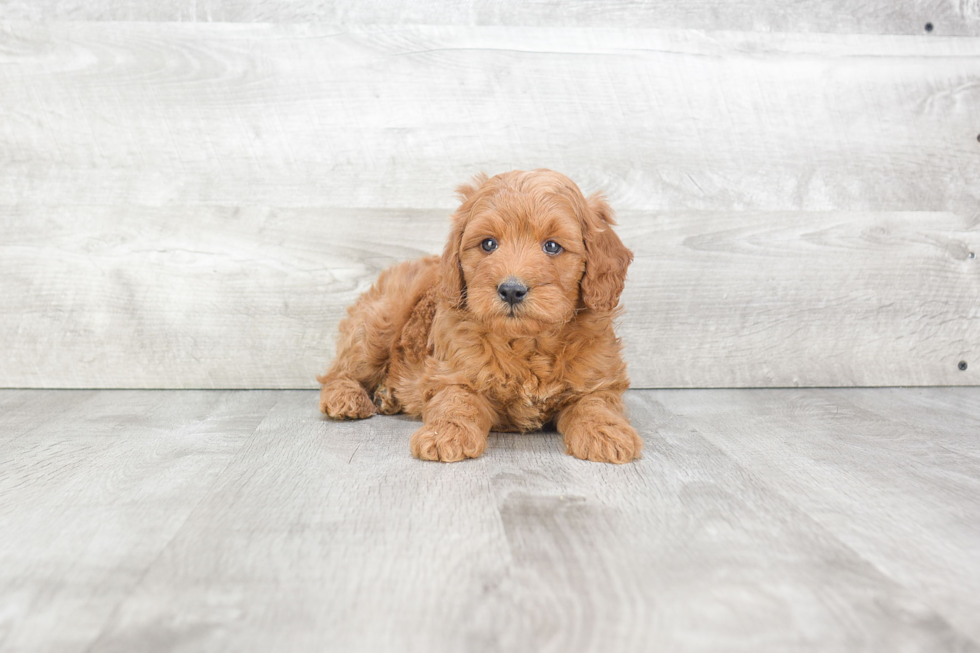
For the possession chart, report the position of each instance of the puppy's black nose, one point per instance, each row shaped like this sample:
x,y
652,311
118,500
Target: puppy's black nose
x,y
512,291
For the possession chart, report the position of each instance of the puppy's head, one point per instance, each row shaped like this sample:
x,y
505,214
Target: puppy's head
x,y
527,250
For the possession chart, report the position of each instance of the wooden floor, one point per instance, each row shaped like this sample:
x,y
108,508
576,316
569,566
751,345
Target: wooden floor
x,y
758,520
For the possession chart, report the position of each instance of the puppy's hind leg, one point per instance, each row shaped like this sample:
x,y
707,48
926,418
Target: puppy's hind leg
x,y
367,339
344,398
362,359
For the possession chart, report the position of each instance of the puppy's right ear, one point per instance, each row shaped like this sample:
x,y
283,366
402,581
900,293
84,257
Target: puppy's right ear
x,y
466,191
453,283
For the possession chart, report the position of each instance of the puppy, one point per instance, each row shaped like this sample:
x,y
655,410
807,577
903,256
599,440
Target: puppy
x,y
509,330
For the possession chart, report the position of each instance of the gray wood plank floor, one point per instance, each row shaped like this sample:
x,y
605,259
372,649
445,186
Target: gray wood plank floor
x,y
758,520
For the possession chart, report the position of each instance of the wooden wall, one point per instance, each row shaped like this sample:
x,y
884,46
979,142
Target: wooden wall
x,y
191,192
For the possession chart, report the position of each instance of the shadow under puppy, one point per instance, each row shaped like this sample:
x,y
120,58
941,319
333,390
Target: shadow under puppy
x,y
510,329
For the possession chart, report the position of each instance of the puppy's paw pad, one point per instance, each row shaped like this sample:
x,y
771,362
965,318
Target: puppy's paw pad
x,y
446,442
346,400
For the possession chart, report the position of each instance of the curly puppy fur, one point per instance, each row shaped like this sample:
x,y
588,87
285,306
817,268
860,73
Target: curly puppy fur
x,y
437,338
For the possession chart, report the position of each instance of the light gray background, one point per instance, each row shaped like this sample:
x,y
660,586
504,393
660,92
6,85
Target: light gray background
x,y
193,191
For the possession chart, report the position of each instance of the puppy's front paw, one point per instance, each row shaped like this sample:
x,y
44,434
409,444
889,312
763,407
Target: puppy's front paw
x,y
603,440
447,442
346,399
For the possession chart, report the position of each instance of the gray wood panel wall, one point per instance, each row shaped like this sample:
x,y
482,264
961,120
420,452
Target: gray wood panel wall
x,y
947,17
192,191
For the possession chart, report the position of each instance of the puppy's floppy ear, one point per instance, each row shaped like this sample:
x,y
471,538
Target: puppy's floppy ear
x,y
606,258
453,288
453,284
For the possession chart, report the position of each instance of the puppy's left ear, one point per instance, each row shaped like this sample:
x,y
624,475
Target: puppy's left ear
x,y
606,258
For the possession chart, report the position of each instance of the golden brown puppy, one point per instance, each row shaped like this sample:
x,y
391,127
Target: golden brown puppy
x,y
509,330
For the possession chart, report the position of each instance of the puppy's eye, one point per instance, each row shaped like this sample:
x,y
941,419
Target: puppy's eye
x,y
551,247
489,245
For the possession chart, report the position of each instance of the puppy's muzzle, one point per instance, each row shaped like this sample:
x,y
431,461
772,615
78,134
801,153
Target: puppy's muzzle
x,y
512,291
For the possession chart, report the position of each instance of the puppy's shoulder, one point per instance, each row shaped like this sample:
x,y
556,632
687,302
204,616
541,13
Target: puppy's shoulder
x,y
592,354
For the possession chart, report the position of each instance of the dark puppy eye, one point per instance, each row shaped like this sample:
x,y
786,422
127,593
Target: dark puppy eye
x,y
551,247
489,245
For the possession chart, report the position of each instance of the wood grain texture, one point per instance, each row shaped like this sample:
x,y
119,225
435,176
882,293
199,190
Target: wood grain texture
x,y
803,299
213,297
904,465
395,117
193,205
784,521
189,297
959,17
92,492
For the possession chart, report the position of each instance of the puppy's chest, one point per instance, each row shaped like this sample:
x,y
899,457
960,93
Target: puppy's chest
x,y
528,389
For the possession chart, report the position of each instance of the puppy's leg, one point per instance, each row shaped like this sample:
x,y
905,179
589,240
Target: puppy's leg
x,y
363,347
344,398
370,334
456,425
595,428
